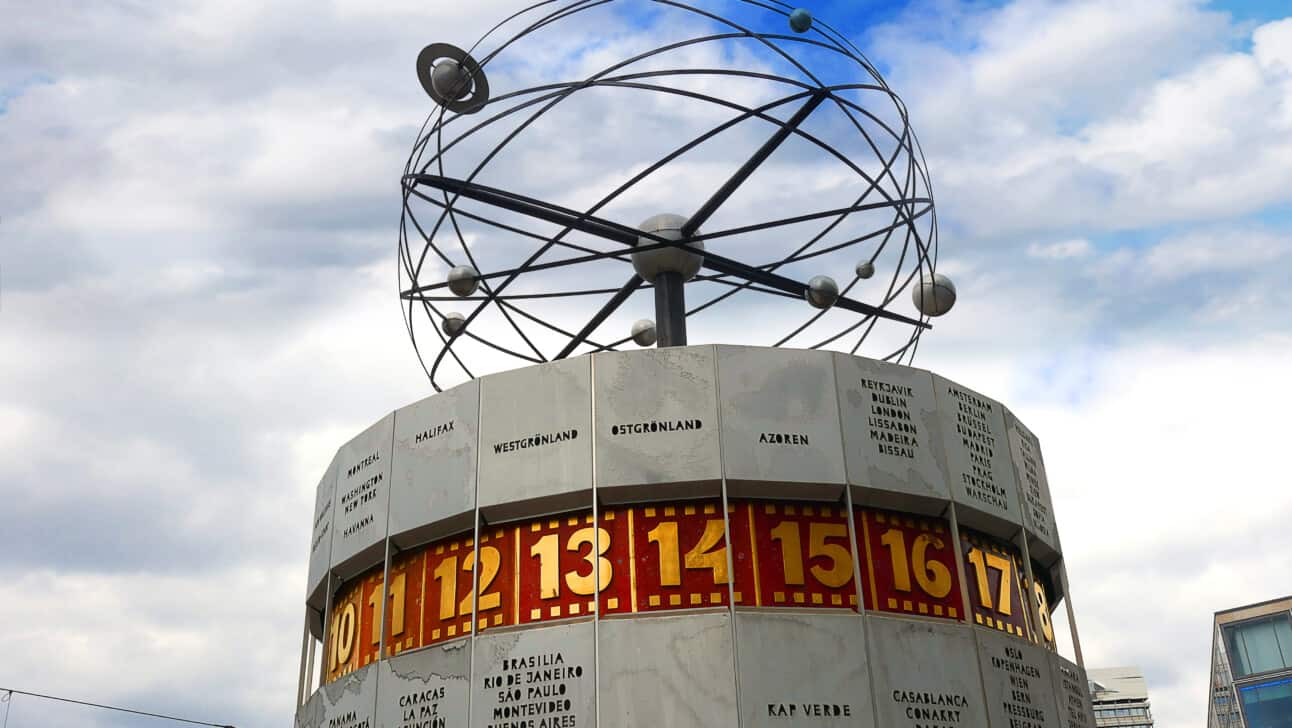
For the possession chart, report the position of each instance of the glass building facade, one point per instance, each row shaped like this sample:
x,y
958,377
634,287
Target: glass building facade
x,y
1251,670
1120,697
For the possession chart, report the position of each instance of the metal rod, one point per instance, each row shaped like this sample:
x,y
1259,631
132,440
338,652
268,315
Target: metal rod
x,y
731,185
1072,618
670,310
615,302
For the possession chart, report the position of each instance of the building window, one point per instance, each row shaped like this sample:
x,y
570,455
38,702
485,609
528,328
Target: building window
x,y
1268,704
1260,645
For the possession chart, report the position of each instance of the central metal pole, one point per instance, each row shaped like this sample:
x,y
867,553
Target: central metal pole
x,y
670,310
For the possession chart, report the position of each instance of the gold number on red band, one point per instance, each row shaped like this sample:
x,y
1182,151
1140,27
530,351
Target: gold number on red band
x,y
701,557
491,558
1006,569
1043,608
840,571
585,585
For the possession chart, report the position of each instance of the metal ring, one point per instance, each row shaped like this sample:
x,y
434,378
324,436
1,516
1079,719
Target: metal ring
x,y
479,83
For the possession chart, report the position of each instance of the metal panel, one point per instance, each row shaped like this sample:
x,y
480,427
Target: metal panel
x,y
925,673
889,415
362,499
345,703
802,670
536,448
433,475
975,452
425,689
321,539
780,423
544,676
1018,681
1034,486
656,424
674,671
1072,692
310,715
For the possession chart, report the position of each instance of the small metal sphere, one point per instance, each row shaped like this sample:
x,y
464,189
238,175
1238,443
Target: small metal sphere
x,y
463,281
644,332
651,263
865,269
934,297
800,20
450,80
822,292
453,323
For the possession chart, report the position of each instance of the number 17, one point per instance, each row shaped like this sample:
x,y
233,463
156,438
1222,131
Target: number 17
x,y
1006,569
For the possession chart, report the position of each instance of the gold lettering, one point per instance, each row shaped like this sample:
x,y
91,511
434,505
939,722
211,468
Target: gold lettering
x,y
546,551
791,551
934,578
447,575
586,585
840,571
701,557
664,536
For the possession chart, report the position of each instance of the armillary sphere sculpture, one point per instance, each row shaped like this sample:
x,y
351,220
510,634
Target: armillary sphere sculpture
x,y
764,157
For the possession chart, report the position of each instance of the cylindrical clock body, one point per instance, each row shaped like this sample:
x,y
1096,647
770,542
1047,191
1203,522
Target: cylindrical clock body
x,y
689,536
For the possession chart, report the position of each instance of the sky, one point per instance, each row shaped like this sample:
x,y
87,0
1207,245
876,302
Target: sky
x,y
199,209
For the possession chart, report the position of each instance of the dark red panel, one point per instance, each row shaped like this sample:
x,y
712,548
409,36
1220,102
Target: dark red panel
x,y
801,555
680,556
910,564
995,587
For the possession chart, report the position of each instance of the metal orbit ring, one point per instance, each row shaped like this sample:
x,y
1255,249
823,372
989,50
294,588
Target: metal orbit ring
x,y
474,86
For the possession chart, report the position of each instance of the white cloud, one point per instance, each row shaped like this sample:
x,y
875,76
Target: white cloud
x,y
1075,248
199,307
1215,251
1101,115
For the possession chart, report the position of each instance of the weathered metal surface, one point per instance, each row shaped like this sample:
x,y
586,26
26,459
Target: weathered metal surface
x,y
543,676
675,671
1072,693
1034,488
348,702
889,418
433,477
321,538
975,453
362,499
656,424
780,423
925,673
1018,682
425,689
800,669
536,440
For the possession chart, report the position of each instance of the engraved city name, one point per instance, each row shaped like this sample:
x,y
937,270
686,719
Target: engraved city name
x,y
357,526
809,710
376,456
535,691
421,709
783,438
362,493
973,429
892,428
321,527
432,432
931,709
1018,702
539,440
654,426
1076,697
1031,474
349,719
